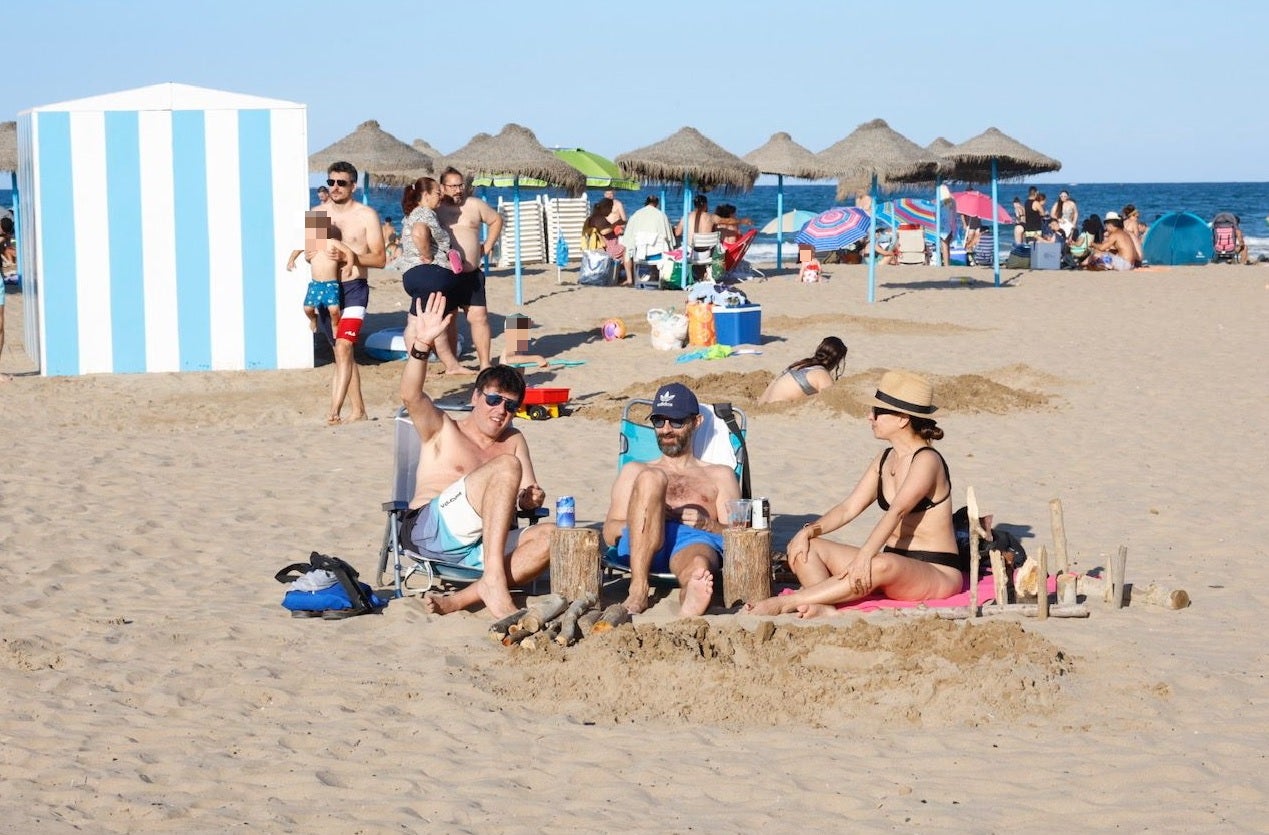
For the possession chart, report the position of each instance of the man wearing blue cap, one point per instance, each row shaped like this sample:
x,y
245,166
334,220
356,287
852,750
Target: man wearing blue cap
x,y
664,513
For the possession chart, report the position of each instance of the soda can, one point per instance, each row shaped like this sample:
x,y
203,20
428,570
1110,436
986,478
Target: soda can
x,y
565,512
761,513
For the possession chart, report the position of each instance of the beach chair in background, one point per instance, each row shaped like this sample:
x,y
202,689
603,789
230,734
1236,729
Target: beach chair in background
x,y
704,247
983,249
406,563
911,244
735,267
646,252
719,440
1225,237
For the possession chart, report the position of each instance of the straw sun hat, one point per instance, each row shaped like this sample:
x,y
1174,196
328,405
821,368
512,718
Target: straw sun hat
x,y
903,391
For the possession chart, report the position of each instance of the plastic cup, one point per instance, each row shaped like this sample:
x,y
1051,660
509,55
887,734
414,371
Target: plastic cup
x,y
738,513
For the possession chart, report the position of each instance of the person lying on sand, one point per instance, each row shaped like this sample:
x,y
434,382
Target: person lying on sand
x,y
664,514
911,553
809,375
473,474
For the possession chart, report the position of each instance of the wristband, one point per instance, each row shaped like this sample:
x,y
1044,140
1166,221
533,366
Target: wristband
x,y
420,355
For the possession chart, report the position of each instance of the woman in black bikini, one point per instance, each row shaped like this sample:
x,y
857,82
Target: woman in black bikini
x,y
911,553
809,375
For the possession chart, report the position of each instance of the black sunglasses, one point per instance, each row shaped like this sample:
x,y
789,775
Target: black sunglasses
x,y
878,412
492,400
340,183
675,423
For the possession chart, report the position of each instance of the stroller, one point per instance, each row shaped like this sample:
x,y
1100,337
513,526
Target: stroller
x,y
1227,238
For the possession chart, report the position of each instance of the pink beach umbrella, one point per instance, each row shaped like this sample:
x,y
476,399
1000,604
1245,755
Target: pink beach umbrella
x,y
979,205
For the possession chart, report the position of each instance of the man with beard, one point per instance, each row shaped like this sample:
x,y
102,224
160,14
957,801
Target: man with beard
x,y
462,216
664,513
357,226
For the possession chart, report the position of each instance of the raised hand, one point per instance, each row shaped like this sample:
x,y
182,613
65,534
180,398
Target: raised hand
x,y
428,321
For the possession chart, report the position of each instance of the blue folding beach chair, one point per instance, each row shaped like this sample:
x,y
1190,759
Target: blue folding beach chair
x,y
719,440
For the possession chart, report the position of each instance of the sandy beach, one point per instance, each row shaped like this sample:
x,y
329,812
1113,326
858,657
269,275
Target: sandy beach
x,y
155,683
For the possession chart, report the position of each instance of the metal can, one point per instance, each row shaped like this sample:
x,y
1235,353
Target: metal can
x,y
761,515
565,512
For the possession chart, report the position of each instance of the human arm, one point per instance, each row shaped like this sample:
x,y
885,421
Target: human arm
x,y
422,237
619,502
290,262
423,326
531,494
493,220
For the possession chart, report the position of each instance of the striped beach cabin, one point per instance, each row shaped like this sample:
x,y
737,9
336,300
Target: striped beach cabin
x,y
156,226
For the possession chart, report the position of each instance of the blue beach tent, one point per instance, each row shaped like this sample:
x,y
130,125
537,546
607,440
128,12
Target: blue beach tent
x,y
1177,239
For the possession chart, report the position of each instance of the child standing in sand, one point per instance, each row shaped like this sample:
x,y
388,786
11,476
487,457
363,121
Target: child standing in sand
x,y
329,261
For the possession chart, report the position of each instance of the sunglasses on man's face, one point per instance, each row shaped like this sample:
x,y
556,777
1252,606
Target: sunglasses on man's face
x,y
340,183
493,400
675,423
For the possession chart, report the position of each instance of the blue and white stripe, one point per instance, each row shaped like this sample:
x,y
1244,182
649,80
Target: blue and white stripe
x,y
162,231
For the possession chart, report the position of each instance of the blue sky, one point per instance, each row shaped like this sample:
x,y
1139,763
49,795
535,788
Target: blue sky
x,y
1119,92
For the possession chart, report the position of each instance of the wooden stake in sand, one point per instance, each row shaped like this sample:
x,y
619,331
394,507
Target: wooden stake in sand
x,y
999,577
614,616
1059,536
575,562
1118,570
1042,584
746,565
1092,586
971,505
1066,589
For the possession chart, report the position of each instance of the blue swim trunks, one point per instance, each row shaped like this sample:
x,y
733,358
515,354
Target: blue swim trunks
x,y
322,294
677,537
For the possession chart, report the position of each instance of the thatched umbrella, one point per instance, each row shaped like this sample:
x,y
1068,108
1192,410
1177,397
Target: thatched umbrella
x,y
784,157
372,149
878,153
938,146
1000,157
693,160
428,151
8,146
515,153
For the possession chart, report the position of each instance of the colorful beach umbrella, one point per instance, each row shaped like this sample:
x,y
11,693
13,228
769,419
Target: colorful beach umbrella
x,y
837,228
978,204
788,222
911,210
600,172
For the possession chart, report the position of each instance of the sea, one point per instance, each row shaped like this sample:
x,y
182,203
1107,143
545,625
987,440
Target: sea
x,y
1250,201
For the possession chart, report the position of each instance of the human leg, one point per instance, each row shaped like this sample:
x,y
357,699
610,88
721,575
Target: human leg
x,y
481,334
311,313
694,566
645,521
335,315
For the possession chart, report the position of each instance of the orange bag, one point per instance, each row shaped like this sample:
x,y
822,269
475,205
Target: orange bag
x,y
700,324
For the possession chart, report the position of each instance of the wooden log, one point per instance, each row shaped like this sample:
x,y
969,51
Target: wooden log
x,y
568,632
575,562
1042,584
999,578
587,621
746,565
1059,536
1118,570
1094,587
766,630
498,630
614,616
1066,589
1031,610
971,504
544,610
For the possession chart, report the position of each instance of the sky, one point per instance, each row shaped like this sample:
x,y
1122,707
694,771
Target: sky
x,y
1119,92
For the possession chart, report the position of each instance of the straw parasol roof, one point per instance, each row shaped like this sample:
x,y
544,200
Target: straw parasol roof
x,y
8,146
971,160
515,152
781,155
876,149
939,145
375,151
428,151
689,155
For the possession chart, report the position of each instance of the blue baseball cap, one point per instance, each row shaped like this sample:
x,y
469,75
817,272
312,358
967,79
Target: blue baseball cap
x,y
675,401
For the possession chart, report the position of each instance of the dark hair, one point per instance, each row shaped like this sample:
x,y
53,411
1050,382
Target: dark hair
x,y
726,210
1128,211
829,355
700,201
653,200
925,427
506,379
1098,230
323,190
453,170
598,218
342,167
413,194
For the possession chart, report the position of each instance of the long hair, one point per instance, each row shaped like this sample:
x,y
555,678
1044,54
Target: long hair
x,y
829,355
413,194
599,215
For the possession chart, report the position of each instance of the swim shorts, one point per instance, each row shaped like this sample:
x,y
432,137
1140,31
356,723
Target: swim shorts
x,y
469,291
449,529
355,298
677,537
1114,262
322,294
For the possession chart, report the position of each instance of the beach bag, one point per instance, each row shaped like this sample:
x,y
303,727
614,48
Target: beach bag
x,y
1001,540
1019,258
326,587
700,324
669,329
596,268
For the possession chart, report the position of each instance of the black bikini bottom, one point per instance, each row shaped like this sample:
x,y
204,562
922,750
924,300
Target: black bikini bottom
x,y
951,560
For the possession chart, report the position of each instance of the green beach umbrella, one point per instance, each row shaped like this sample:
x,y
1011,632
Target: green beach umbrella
x,y
600,172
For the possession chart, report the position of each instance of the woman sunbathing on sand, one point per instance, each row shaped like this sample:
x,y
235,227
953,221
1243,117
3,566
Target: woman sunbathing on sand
x,y
809,375
911,553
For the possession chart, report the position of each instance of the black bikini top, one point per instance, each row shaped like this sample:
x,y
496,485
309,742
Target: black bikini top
x,y
925,503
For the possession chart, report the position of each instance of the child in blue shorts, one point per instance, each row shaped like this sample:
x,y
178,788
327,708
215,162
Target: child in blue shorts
x,y
329,260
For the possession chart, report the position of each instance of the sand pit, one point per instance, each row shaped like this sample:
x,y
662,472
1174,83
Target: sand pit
x,y
926,672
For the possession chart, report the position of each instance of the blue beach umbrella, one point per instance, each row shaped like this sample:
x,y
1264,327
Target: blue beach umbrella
x,y
784,157
790,222
836,228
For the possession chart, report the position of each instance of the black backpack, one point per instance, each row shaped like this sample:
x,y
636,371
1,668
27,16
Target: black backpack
x,y
361,598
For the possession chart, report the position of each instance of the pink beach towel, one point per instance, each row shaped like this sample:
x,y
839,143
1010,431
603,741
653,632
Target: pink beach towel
x,y
875,602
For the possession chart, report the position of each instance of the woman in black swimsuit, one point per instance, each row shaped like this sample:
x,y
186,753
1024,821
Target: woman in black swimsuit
x,y
911,552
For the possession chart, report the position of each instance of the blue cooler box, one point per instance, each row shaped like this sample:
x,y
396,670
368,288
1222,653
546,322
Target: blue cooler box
x,y
738,325
1046,255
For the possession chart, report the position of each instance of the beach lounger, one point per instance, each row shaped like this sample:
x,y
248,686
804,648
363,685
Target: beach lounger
x,y
911,245
735,267
406,563
719,440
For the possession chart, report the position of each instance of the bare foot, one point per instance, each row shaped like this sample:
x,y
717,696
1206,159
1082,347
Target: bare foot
x,y
694,599
356,417
459,371
637,601
438,604
333,420
497,600
770,606
817,610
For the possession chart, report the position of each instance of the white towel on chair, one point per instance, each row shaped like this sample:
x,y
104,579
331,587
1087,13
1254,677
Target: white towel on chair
x,y
712,442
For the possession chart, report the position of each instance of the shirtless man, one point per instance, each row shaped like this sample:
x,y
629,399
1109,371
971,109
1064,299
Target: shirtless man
x,y
473,474
664,514
462,215
618,213
701,219
357,226
1117,251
